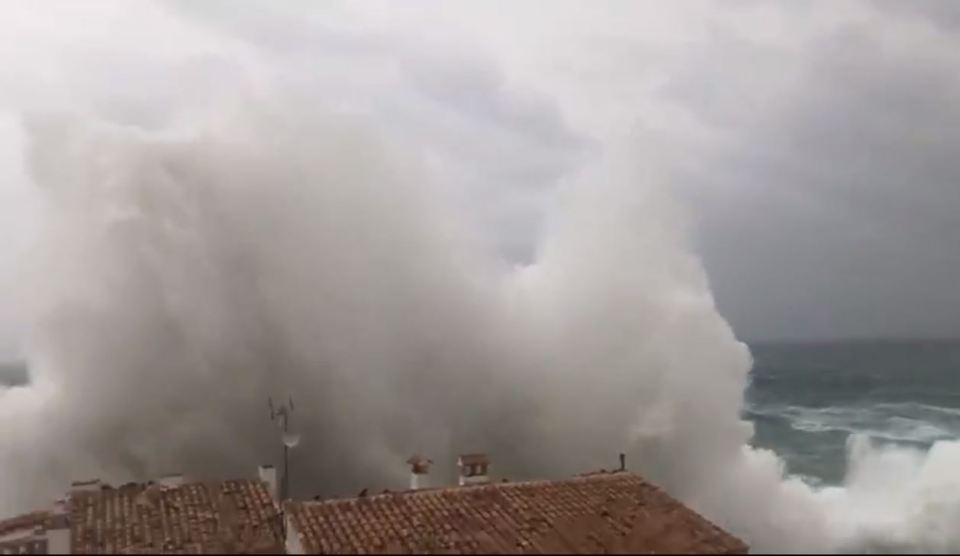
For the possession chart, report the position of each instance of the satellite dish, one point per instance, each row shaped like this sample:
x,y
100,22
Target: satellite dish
x,y
291,439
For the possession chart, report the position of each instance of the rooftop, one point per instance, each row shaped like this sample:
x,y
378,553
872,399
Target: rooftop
x,y
228,516
25,534
26,522
602,512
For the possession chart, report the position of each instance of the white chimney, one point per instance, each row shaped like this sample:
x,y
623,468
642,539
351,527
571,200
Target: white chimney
x,y
473,469
268,474
174,480
58,536
419,468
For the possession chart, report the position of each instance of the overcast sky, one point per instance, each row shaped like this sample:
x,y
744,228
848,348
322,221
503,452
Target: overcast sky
x,y
815,144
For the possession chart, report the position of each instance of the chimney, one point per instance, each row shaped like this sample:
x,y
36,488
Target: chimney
x,y
58,535
268,474
173,480
623,462
419,468
473,469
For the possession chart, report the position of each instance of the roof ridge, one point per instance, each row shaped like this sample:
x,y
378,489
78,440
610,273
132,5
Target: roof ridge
x,y
599,475
151,483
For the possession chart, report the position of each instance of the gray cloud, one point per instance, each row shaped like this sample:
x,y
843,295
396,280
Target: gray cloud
x,y
942,13
511,145
830,208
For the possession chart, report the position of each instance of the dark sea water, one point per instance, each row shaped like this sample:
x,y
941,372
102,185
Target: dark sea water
x,y
807,399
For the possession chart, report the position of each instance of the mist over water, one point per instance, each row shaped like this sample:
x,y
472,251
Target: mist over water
x,y
183,272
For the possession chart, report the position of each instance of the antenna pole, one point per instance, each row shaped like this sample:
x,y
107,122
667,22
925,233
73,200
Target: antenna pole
x,y
283,413
289,441
286,460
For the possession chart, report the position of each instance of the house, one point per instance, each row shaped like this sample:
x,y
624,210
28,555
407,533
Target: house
x,y
616,512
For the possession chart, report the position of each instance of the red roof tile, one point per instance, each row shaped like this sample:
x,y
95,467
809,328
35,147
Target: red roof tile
x,y
24,534
24,522
232,516
613,512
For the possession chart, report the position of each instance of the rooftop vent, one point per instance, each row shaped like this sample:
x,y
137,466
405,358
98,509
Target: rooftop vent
x,y
419,468
473,469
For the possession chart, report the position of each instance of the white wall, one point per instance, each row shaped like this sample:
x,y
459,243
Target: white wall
x,y
293,545
58,541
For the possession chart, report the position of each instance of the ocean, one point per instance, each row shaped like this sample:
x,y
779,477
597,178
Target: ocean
x,y
806,400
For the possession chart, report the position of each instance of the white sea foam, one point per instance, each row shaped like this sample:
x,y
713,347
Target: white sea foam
x,y
906,422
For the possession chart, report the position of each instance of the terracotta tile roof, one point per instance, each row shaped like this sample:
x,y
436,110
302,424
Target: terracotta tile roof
x,y
609,512
231,516
24,534
25,522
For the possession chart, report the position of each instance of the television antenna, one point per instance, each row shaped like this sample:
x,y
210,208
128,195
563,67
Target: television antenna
x,y
290,440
